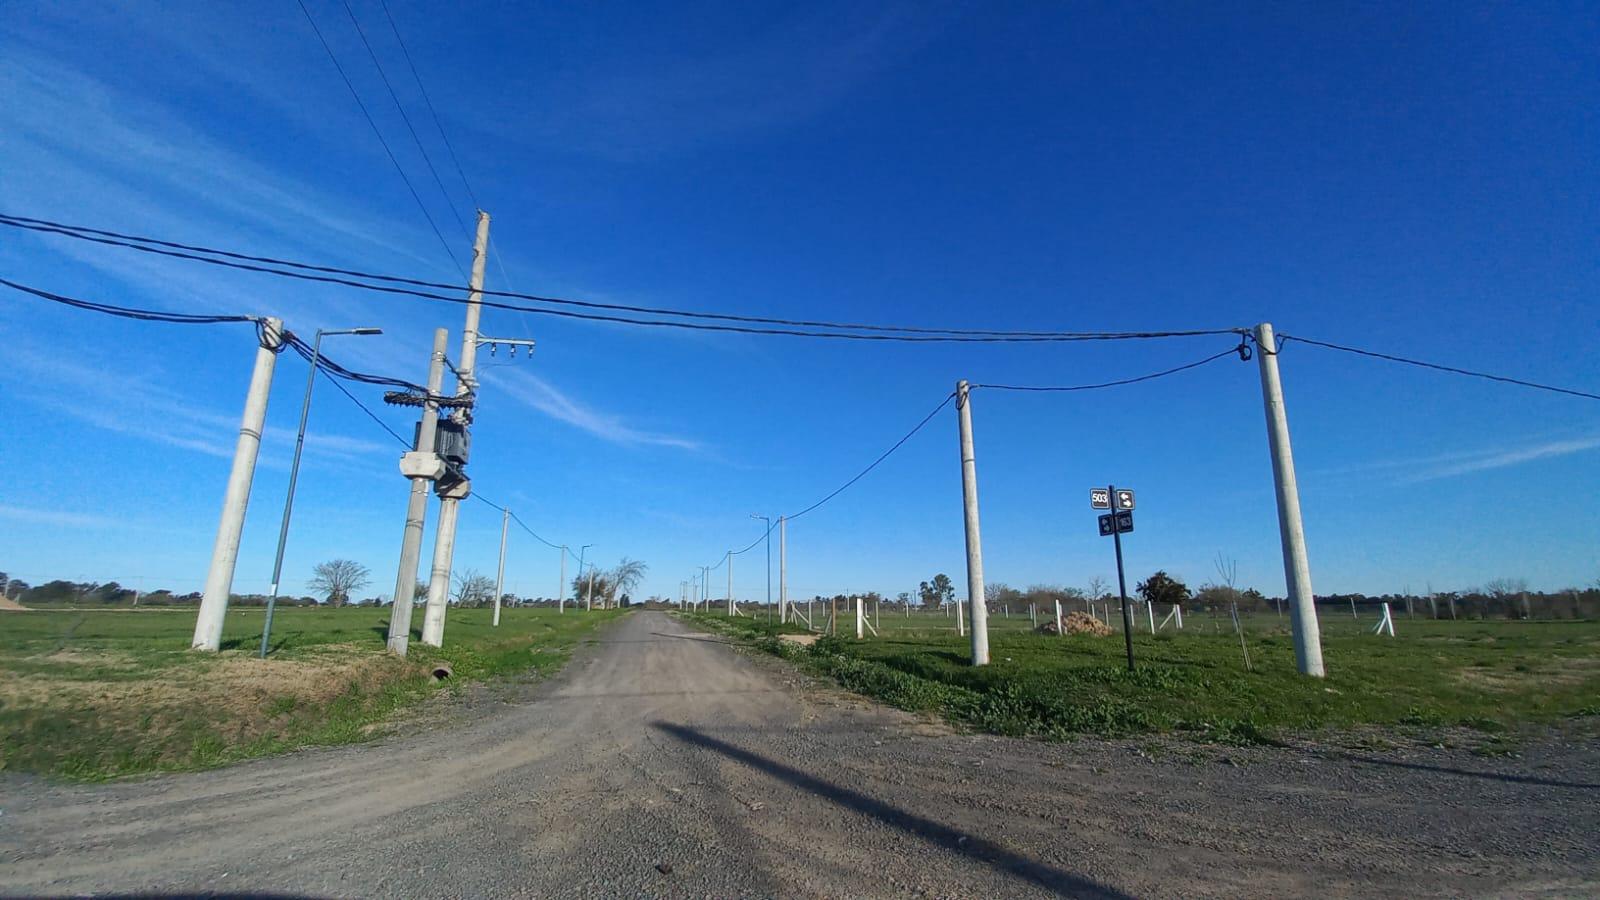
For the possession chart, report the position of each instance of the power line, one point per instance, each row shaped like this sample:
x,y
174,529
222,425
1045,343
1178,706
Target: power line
x,y
384,76
518,520
1285,338
1243,351
402,172
886,454
429,101
370,414
889,332
128,312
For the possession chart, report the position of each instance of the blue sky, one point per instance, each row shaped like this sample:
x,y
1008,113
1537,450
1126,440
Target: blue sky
x,y
1418,179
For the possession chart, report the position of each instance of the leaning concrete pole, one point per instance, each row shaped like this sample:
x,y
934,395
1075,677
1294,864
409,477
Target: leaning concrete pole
x,y
969,499
1296,570
444,547
783,570
225,552
439,577
500,574
421,465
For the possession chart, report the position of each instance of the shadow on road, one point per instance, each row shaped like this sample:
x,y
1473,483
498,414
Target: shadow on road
x,y
1491,776
911,823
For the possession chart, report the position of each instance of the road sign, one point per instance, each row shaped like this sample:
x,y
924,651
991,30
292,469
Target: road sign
x,y
1124,499
1099,498
1112,523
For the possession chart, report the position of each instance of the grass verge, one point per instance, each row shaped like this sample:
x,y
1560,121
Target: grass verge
x,y
93,695
1490,677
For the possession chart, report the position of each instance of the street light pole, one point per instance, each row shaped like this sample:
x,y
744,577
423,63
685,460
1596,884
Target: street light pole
x,y
294,474
581,551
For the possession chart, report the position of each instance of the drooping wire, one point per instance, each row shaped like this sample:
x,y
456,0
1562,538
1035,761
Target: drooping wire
x,y
429,101
886,454
364,408
888,332
384,76
1286,338
1118,383
298,345
517,519
128,312
376,131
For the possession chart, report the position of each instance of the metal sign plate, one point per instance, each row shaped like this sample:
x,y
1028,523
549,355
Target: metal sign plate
x,y
1114,522
1124,499
1099,498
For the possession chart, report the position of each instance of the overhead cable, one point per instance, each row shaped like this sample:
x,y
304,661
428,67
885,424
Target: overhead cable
x,y
376,131
128,312
790,327
1242,350
1286,338
384,76
429,101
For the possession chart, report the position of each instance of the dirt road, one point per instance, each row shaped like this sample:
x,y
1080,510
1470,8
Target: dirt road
x,y
664,763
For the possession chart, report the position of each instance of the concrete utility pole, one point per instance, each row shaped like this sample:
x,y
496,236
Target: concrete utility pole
x,y
1296,569
730,582
225,552
783,570
860,619
561,595
452,493
500,574
768,538
969,498
1059,632
421,466
588,594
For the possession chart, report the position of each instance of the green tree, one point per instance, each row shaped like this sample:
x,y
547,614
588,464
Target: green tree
x,y
938,592
1163,588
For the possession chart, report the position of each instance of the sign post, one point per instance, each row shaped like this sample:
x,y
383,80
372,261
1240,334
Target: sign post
x,y
1114,523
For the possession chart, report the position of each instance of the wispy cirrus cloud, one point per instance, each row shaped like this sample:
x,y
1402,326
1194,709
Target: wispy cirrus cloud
x,y
533,391
59,518
1413,470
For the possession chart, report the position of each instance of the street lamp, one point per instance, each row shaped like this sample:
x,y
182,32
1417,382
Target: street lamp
x,y
581,551
294,473
768,520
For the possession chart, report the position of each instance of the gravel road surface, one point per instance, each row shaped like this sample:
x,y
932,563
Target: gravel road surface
x,y
664,763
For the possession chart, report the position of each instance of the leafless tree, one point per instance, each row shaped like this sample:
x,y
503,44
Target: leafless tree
x,y
624,579
337,579
473,588
1228,573
1503,589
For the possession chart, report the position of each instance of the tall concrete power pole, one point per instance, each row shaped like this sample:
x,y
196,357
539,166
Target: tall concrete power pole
x,y
969,500
730,582
561,595
783,569
451,493
422,466
1296,569
225,552
500,574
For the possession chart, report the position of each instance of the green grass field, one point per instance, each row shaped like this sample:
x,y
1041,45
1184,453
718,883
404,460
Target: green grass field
x,y
104,693
1489,676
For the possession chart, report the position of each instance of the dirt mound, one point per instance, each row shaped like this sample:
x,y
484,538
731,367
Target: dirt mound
x,y
1077,623
12,605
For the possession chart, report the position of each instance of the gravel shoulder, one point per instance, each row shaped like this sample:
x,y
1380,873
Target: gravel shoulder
x,y
663,762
